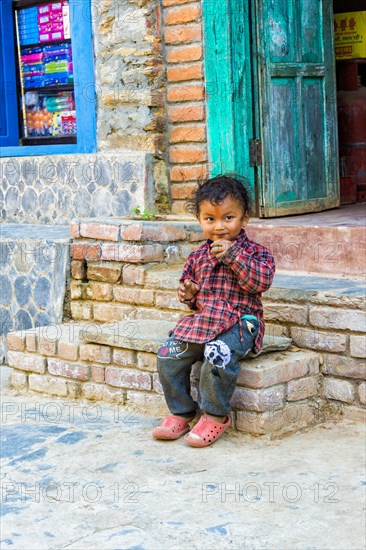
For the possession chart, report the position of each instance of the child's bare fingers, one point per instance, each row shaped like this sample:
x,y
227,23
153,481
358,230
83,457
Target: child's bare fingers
x,y
219,247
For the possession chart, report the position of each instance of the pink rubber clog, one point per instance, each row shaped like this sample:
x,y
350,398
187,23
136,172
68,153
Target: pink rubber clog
x,y
172,427
206,432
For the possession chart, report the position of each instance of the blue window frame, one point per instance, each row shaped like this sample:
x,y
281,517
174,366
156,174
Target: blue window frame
x,y
84,86
9,134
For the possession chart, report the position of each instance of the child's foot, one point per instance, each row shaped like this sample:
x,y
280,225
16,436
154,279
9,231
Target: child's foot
x,y
207,430
220,419
172,427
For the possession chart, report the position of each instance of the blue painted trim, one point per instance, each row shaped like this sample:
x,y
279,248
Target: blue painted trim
x,y
84,86
37,150
7,56
84,89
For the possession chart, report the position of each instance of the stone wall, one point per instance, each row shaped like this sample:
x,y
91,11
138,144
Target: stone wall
x,y
130,82
52,190
151,91
34,269
128,269
109,263
129,167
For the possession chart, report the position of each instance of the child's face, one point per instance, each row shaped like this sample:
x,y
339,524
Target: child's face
x,y
222,221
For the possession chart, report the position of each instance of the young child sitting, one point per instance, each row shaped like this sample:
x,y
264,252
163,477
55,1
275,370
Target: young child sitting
x,y
222,282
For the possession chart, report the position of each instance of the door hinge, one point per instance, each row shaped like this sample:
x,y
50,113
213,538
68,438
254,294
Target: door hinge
x,y
255,152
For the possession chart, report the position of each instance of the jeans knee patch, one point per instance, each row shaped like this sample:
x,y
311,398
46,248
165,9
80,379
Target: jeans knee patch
x,y
217,353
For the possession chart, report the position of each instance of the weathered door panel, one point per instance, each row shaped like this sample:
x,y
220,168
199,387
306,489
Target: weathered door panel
x,y
296,106
228,86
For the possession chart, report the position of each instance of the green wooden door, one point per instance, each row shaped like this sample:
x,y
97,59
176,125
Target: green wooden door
x,y
295,105
228,83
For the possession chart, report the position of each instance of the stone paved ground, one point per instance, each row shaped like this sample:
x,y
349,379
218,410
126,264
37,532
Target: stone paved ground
x,y
54,189
84,476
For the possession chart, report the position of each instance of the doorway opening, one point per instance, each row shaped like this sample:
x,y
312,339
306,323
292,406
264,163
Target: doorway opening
x,y
350,19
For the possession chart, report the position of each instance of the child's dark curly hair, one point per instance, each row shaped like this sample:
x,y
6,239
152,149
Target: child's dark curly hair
x,y
217,189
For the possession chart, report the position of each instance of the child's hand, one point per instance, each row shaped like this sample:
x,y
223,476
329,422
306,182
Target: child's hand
x,y
219,247
187,290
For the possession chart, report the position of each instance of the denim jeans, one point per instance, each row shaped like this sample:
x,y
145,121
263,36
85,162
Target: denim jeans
x,y
219,370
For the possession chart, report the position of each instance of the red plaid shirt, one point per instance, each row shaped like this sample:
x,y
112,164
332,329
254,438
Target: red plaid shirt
x,y
229,288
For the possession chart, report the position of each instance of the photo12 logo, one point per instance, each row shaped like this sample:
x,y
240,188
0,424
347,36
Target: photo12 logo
x,y
69,491
269,491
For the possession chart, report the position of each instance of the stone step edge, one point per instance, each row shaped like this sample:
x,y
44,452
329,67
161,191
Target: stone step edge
x,y
259,372
276,393
134,229
287,406
130,334
258,390
63,340
167,277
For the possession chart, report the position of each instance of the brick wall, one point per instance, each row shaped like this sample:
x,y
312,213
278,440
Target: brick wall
x,y
131,83
130,76
335,326
277,393
129,270
150,88
186,113
110,264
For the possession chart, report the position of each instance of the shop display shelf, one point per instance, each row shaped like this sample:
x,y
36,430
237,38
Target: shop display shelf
x,y
51,89
48,140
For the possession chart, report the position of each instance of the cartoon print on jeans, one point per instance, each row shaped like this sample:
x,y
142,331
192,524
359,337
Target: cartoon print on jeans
x,y
250,326
172,349
218,353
